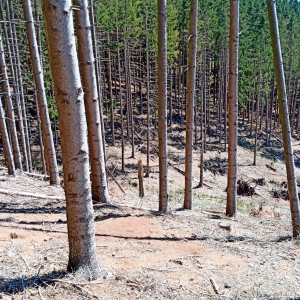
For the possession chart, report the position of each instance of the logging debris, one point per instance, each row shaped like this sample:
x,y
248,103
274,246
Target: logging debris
x,y
244,188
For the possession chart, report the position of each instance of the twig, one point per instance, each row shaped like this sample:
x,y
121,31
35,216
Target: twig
x,y
115,180
270,167
75,285
214,285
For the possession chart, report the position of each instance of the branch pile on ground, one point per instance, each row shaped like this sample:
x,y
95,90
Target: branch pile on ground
x,y
244,188
216,165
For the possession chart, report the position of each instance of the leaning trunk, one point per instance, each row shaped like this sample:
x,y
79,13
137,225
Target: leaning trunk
x,y
284,118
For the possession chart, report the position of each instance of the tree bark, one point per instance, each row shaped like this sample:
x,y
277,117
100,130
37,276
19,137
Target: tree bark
x,y
191,78
231,207
41,95
284,118
162,105
70,103
91,99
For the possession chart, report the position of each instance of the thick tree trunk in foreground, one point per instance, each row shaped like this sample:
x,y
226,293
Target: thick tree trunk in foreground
x,y
10,110
41,95
162,105
191,78
73,129
284,118
91,98
233,109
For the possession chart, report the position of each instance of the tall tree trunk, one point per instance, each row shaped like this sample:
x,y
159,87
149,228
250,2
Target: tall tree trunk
x,y
110,93
231,207
18,88
121,102
9,160
284,118
70,103
162,105
41,95
191,78
91,99
38,35
98,71
10,111
148,96
257,114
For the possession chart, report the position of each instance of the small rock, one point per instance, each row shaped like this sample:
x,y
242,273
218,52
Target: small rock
x,y
113,254
227,286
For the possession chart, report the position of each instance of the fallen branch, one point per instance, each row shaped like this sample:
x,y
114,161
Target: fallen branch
x,y
115,180
214,285
30,195
35,175
270,167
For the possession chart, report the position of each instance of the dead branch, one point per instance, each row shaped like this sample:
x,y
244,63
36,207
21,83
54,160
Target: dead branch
x,y
270,167
115,180
25,194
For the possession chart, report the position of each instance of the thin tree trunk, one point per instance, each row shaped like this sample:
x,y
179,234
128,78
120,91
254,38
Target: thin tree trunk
x,y
284,117
70,103
121,102
257,116
91,98
253,98
10,111
38,35
98,71
231,207
109,83
148,96
18,88
191,78
3,130
41,95
162,105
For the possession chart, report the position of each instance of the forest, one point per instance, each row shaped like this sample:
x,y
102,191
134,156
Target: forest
x,y
150,149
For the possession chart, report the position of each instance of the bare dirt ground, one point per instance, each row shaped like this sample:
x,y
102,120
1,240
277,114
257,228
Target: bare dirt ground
x,y
198,254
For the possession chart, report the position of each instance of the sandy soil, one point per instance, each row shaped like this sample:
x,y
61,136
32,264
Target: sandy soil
x,y
185,255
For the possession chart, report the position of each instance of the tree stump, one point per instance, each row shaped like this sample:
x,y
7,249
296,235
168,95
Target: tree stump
x,y
141,178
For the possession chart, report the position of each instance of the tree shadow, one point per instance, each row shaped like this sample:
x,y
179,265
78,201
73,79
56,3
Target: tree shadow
x,y
10,286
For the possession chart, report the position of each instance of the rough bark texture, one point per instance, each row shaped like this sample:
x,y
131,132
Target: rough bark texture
x,y
162,105
91,99
191,78
70,103
41,95
284,118
10,110
233,109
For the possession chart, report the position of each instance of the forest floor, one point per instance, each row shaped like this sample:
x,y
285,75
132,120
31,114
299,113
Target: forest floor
x,y
198,254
